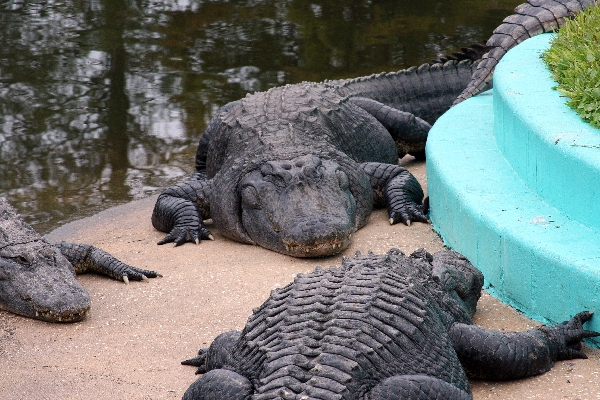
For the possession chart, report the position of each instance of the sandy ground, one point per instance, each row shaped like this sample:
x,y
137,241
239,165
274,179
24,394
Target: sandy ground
x,y
131,345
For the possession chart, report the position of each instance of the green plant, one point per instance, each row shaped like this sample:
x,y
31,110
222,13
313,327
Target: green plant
x,y
574,60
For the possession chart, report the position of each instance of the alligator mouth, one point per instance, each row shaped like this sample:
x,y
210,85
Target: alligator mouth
x,y
66,316
320,249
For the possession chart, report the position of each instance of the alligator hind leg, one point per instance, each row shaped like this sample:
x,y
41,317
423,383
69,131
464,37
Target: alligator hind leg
x,y
219,384
408,131
420,387
399,190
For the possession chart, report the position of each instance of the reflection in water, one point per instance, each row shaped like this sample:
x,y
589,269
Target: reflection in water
x,y
103,101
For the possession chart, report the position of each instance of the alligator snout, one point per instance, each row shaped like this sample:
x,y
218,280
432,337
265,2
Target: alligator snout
x,y
53,298
318,236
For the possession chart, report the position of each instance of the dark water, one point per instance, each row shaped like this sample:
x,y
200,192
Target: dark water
x,y
103,101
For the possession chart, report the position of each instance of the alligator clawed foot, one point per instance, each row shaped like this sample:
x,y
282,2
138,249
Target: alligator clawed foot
x,y
568,335
182,234
409,214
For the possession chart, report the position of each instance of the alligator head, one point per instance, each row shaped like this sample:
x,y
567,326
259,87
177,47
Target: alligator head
x,y
36,280
302,207
461,282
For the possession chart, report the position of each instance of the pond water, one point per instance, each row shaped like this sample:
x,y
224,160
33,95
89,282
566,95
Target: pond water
x,y
103,101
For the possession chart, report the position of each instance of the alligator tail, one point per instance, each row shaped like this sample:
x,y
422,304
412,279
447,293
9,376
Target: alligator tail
x,y
426,91
530,19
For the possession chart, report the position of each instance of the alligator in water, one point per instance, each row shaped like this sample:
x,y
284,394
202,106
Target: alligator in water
x,y
379,327
37,279
298,169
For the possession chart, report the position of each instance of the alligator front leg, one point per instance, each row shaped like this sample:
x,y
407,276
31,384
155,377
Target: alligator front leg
x,y
180,210
217,383
399,190
217,355
87,258
408,131
511,355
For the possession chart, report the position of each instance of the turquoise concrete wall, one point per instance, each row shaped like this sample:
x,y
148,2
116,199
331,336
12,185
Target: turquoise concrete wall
x,y
533,253
555,152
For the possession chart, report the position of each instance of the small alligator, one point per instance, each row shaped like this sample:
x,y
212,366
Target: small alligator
x,y
37,279
379,327
298,169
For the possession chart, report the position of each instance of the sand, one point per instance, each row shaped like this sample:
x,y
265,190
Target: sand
x,y
131,344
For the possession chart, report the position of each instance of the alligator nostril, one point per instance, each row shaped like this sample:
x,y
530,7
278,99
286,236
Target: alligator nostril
x,y
23,259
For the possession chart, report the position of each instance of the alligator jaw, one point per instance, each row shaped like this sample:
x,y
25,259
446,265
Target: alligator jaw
x,y
321,249
67,316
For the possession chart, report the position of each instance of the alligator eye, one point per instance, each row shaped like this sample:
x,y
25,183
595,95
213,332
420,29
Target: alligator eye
x,y
342,179
250,197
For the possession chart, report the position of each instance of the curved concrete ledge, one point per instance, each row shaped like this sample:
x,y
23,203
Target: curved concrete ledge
x,y
534,255
548,145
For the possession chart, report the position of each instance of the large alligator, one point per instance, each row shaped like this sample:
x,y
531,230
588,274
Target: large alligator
x,y
37,279
380,327
298,169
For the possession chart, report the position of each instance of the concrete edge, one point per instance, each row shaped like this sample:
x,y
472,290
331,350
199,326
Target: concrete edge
x,y
533,257
548,145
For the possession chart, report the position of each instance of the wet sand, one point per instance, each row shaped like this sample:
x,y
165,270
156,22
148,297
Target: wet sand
x,y
131,344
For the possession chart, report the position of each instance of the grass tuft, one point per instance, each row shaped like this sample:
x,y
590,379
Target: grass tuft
x,y
574,60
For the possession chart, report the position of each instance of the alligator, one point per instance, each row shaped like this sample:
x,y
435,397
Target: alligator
x,y
377,327
298,169
37,279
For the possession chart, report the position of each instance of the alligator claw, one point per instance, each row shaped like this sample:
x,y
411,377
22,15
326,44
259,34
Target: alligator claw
x,y
198,361
568,336
408,214
137,274
404,200
182,234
